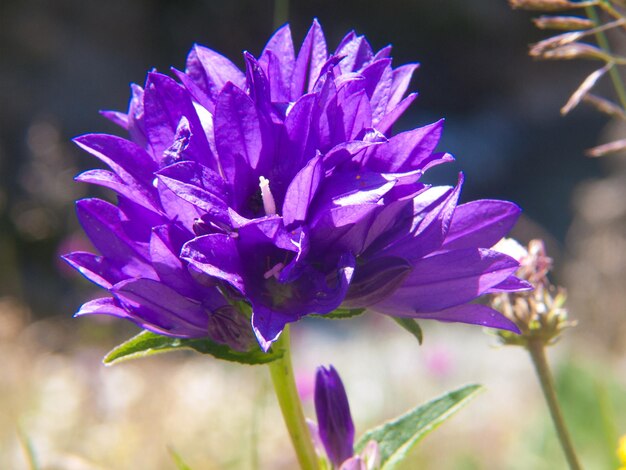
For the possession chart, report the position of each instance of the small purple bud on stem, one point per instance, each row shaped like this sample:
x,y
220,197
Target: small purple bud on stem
x,y
336,428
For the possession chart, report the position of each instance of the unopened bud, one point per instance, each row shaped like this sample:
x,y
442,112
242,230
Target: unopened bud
x,y
563,23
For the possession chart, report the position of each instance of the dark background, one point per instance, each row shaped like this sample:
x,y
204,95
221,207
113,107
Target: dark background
x,y
61,61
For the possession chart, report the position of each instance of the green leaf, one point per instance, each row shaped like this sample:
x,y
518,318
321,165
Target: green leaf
x,y
147,344
342,313
178,460
411,326
396,438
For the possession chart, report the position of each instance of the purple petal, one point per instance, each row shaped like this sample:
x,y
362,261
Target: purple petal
x,y
102,306
122,156
346,188
375,280
95,268
129,188
217,256
164,252
447,280
511,284
258,84
301,191
378,80
401,80
313,293
297,143
481,224
384,53
356,51
165,104
102,224
312,56
238,137
163,307
278,59
136,122
210,71
199,186
121,119
406,151
353,115
474,314
430,223
394,114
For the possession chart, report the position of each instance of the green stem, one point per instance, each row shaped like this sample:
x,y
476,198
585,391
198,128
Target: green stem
x,y
604,45
537,350
284,382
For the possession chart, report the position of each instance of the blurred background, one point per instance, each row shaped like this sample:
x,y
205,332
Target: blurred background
x,y
63,61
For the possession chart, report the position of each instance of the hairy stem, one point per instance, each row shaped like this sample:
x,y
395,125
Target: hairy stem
x,y
536,348
283,379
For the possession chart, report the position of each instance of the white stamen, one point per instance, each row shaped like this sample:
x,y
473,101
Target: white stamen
x,y
275,271
266,195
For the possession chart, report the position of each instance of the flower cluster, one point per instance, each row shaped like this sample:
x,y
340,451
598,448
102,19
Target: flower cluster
x,y
262,196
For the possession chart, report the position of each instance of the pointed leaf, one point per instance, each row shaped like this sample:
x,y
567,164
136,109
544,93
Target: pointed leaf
x,y
147,344
411,326
396,438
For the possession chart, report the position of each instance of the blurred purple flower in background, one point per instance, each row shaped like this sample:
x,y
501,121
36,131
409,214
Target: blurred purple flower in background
x,y
283,188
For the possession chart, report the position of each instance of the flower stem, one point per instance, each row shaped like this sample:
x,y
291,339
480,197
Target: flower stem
x,y
536,348
603,42
281,371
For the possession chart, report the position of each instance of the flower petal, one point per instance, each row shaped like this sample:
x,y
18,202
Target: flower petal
x,y
211,71
473,314
481,224
447,280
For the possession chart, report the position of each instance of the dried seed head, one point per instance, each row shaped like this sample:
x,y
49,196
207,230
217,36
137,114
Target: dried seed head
x,y
539,313
554,42
605,149
548,5
577,50
563,23
605,106
584,88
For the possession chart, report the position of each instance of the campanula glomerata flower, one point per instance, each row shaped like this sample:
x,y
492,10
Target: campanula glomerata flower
x,y
282,188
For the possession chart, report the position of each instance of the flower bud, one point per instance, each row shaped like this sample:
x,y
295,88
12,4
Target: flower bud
x,y
336,429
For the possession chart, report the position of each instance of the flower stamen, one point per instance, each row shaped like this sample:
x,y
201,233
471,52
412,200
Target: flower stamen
x,y
274,271
266,195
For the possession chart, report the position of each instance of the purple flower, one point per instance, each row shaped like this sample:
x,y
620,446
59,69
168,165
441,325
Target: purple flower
x,y
334,421
283,188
